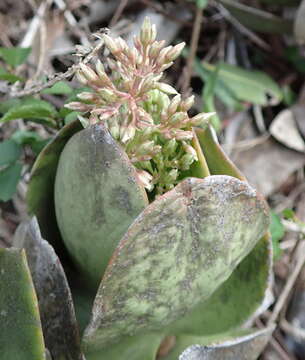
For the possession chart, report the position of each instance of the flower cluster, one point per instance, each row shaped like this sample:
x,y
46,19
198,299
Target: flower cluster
x,y
146,116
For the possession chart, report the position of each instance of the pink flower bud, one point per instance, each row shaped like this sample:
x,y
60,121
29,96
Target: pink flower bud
x,y
110,44
201,118
88,73
174,52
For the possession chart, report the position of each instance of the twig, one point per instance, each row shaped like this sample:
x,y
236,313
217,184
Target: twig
x,y
28,38
72,21
42,49
248,144
292,226
274,343
289,200
39,87
280,351
289,283
118,13
293,330
70,72
193,49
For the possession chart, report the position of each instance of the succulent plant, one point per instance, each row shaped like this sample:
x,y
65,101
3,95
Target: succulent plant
x,y
162,241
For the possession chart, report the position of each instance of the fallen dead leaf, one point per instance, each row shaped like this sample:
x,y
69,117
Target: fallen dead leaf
x,y
285,130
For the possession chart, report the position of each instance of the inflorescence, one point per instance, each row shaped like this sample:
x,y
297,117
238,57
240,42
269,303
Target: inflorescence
x,y
146,116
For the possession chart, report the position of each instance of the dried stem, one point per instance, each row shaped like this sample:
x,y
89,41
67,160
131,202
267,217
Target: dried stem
x,y
193,50
118,12
289,283
36,88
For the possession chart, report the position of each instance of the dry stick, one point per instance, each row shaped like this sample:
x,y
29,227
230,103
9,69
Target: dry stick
x,y
42,49
72,21
70,72
28,38
118,13
289,284
293,330
193,49
274,343
279,350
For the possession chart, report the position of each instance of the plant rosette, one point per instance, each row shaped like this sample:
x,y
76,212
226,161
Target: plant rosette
x,y
162,240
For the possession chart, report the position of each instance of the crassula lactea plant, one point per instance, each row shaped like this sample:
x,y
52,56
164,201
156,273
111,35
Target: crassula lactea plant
x,y
162,240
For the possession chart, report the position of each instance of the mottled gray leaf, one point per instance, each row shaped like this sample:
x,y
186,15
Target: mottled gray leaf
x,y
97,197
178,251
54,296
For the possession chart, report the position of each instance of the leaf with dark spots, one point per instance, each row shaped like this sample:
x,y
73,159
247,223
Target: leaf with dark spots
x,y
97,197
20,329
40,194
54,296
197,252
236,300
140,347
238,345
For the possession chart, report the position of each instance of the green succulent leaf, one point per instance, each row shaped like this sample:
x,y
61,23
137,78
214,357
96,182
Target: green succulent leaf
x,y
277,231
97,197
141,347
178,251
54,297
40,195
14,56
247,285
242,344
20,330
218,162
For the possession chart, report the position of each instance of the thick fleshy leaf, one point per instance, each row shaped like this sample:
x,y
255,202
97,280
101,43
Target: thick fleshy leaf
x,y
20,329
245,344
218,162
199,168
248,284
180,249
40,195
97,197
141,347
235,301
54,296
